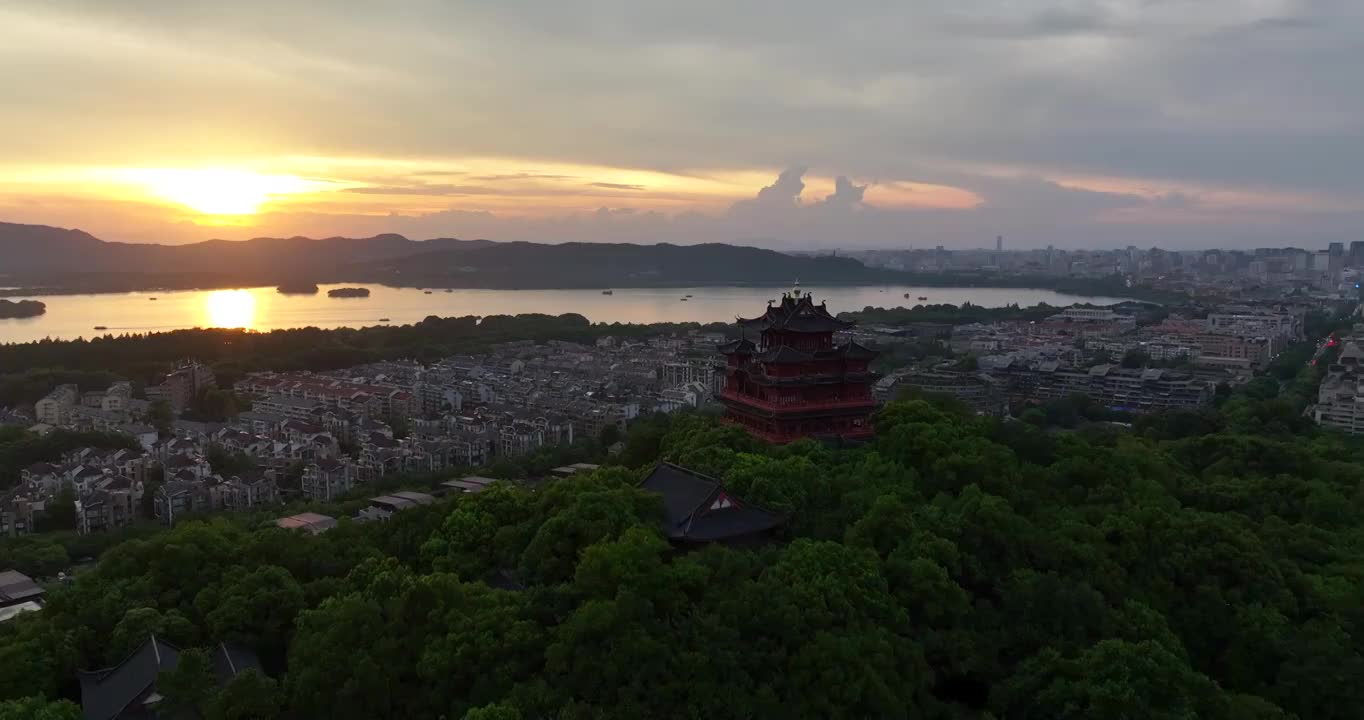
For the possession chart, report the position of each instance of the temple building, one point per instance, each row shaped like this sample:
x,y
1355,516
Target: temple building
x,y
794,382
698,510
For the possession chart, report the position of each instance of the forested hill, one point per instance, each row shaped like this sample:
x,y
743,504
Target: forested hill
x,y
521,264
43,250
54,257
1202,565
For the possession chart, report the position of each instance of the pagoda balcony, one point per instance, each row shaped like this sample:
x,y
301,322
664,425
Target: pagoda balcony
x,y
851,376
794,405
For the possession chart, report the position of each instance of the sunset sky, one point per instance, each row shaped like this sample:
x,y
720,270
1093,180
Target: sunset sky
x,y
789,124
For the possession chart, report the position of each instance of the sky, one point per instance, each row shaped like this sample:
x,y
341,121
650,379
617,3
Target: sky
x,y
790,124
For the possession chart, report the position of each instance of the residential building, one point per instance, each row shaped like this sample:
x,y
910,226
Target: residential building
x,y
55,407
315,523
328,479
1117,388
383,507
176,498
977,389
1340,398
183,384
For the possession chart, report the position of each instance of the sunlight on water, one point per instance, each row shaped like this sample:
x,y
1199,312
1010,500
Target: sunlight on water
x,y
264,309
230,309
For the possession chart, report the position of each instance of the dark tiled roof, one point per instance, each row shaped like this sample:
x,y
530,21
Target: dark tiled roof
x,y
231,659
698,509
854,351
16,587
106,693
114,692
744,346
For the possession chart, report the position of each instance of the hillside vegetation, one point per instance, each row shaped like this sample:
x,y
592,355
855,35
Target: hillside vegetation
x,y
1201,566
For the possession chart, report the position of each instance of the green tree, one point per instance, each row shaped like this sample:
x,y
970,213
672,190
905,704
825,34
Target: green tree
x,y
499,711
36,708
60,512
251,695
256,607
160,416
139,624
1113,679
186,688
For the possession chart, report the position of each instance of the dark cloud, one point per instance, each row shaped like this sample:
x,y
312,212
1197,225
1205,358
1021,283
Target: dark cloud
x,y
1167,94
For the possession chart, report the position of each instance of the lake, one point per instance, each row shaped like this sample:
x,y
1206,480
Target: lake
x,y
72,316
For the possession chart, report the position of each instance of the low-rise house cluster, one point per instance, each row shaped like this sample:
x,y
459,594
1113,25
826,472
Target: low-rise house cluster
x,y
990,389
1340,397
337,431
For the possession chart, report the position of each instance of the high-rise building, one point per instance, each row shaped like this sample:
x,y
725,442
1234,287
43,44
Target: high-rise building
x,y
185,383
999,243
795,382
1356,257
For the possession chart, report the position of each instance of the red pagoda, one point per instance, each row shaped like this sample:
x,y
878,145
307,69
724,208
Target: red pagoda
x,y
795,382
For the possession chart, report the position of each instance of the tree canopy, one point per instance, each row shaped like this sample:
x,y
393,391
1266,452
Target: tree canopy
x,y
1199,565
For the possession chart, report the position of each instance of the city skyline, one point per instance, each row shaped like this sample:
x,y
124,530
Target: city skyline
x,y
794,126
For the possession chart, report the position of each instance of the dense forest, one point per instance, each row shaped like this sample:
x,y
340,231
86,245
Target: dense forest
x,y
1198,565
21,309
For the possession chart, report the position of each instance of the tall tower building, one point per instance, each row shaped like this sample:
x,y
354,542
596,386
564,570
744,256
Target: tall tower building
x,y
795,382
999,243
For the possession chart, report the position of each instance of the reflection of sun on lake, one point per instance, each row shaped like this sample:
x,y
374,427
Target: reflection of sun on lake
x,y
231,309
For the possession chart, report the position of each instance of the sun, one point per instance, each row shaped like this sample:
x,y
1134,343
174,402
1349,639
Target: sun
x,y
213,191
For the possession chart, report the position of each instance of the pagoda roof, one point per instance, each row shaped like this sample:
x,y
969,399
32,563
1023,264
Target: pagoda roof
x,y
698,509
741,346
796,313
855,351
785,354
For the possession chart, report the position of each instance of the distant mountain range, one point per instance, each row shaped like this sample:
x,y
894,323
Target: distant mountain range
x,y
29,249
73,259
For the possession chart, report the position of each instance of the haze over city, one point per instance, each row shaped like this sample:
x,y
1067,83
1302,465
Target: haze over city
x,y
791,125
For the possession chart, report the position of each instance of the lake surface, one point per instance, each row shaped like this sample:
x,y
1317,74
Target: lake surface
x,y
72,316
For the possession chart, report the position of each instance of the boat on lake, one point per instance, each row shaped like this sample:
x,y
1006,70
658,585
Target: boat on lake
x,y
101,327
428,292
922,297
383,319
607,292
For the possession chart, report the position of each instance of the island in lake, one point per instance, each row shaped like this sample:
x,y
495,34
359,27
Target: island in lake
x,y
348,293
21,309
297,288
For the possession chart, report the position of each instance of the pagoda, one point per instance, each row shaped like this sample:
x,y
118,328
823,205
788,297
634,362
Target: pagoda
x,y
795,382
